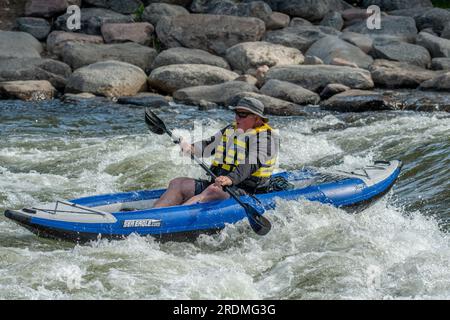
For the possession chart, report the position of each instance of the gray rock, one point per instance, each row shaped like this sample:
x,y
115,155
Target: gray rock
x,y
426,101
289,92
121,6
78,55
439,83
404,52
180,55
316,77
440,64
446,32
30,90
438,47
389,5
92,20
218,94
435,18
299,22
277,20
299,37
333,89
178,76
257,9
140,32
145,99
332,47
396,27
108,78
19,45
55,72
364,42
308,9
334,20
154,12
393,74
274,106
358,101
208,32
45,8
57,39
312,60
37,27
246,55
183,3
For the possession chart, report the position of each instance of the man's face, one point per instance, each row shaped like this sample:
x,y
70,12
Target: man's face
x,y
245,120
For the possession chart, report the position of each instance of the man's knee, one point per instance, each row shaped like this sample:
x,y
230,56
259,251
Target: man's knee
x,y
177,183
213,191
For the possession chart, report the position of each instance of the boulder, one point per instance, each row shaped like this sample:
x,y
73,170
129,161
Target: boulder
x,y
299,22
358,101
289,92
426,101
363,42
393,74
92,20
440,64
78,55
58,39
212,33
435,18
218,94
334,20
343,62
404,52
273,106
396,27
248,79
312,60
256,9
331,47
108,78
301,37
27,90
19,45
55,72
277,20
178,76
439,83
353,15
145,99
183,3
317,77
45,8
308,9
154,12
123,32
446,32
438,47
389,5
333,89
37,27
121,6
246,55
180,55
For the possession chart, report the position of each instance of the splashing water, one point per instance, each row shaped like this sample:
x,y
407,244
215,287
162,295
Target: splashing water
x,y
396,249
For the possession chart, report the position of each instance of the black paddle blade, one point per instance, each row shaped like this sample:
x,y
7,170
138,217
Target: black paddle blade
x,y
154,123
259,224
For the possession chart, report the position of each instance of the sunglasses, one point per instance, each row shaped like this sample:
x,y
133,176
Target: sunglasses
x,y
242,115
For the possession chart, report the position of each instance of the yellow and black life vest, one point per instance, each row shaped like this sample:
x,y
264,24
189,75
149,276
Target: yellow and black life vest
x,y
234,150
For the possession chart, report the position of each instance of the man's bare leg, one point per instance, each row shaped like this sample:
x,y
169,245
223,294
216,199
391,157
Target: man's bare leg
x,y
211,193
179,190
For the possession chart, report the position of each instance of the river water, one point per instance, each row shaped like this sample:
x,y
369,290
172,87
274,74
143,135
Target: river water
x,y
397,249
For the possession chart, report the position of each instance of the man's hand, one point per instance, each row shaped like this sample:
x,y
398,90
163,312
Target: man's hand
x,y
223,181
186,147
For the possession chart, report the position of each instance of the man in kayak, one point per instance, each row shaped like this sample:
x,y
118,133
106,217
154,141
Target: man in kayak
x,y
245,153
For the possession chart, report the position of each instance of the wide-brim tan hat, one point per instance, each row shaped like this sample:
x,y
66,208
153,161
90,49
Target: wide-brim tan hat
x,y
252,105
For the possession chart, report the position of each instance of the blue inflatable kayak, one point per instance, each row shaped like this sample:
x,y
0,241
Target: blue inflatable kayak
x,y
121,214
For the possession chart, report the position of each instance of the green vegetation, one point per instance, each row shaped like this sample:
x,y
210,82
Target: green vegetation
x,y
138,13
441,3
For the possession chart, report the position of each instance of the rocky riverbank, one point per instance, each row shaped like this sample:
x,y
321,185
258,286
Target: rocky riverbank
x,y
290,54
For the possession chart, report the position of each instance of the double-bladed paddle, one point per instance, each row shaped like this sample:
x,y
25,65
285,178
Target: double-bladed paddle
x,y
254,210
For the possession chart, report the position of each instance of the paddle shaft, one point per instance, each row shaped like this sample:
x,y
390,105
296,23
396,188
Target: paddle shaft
x,y
205,167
